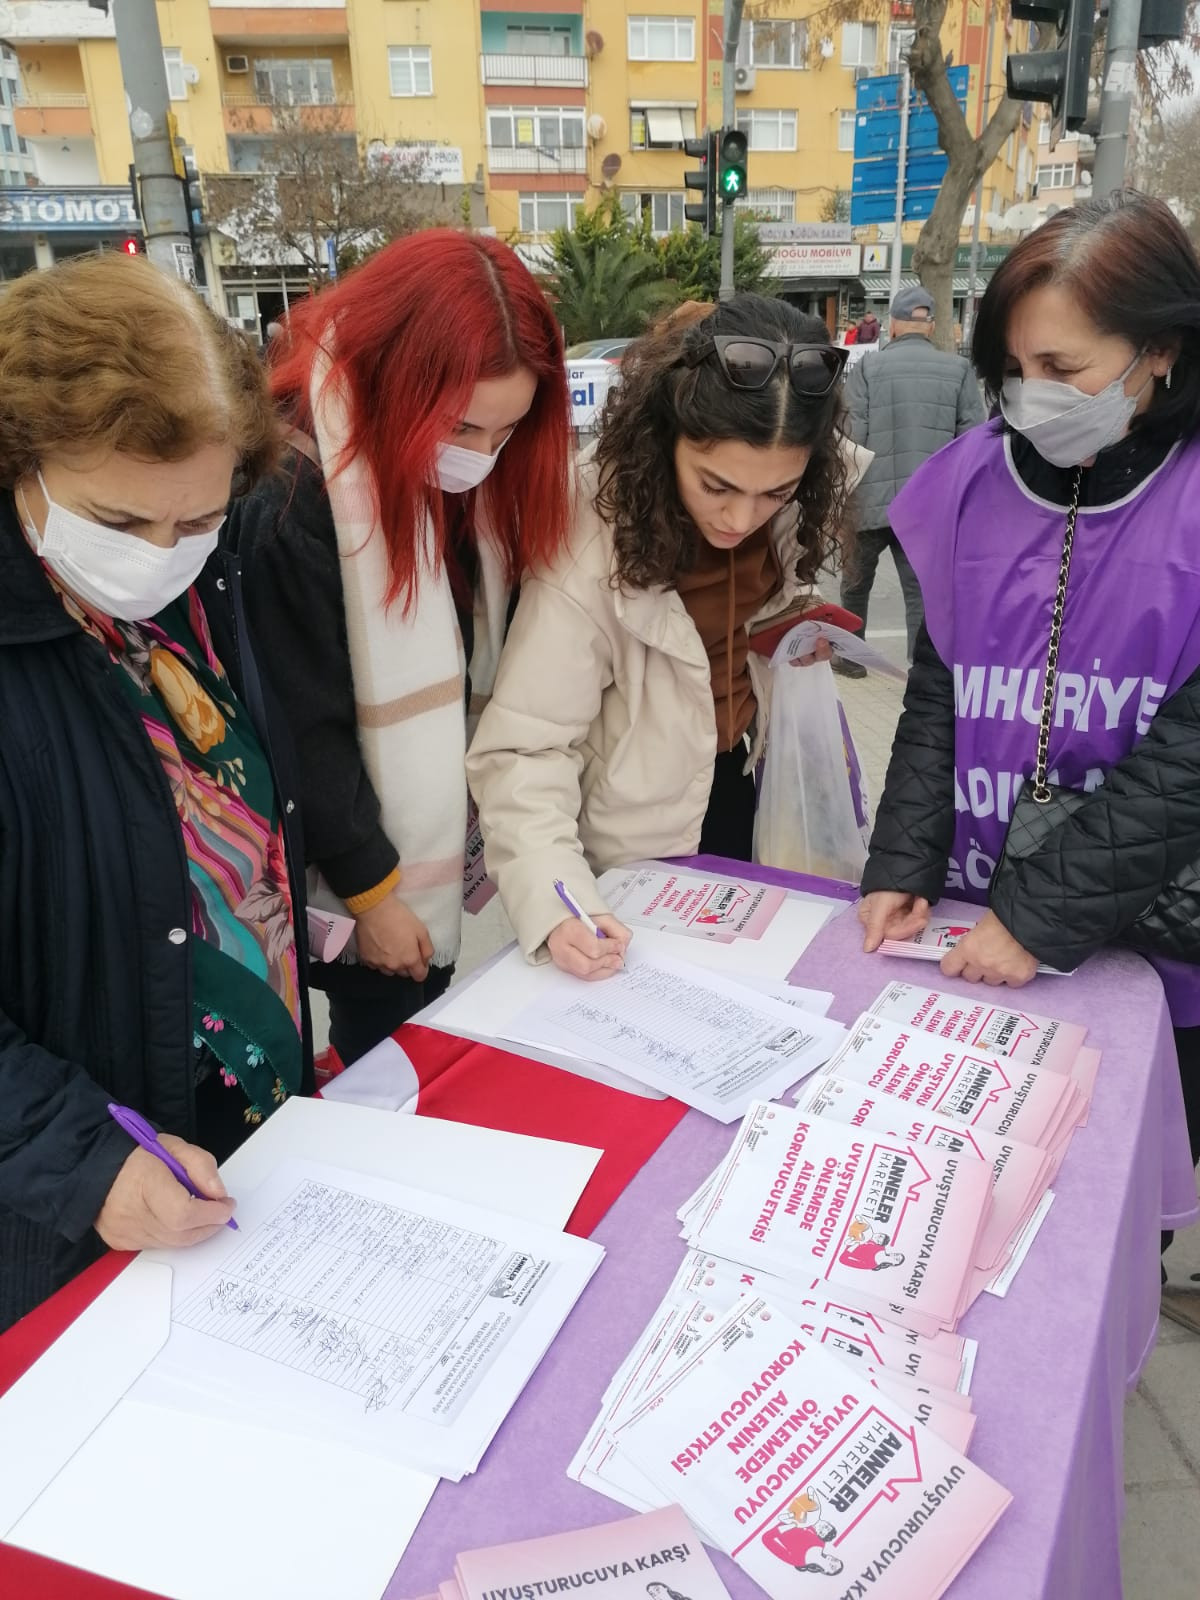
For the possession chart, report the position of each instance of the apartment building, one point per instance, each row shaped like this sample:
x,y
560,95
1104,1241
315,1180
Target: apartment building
x,y
531,110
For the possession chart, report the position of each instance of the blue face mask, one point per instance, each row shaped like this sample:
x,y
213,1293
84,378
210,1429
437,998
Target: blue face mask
x,y
1063,424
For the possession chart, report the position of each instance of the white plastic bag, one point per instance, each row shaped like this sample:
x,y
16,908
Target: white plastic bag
x,y
812,807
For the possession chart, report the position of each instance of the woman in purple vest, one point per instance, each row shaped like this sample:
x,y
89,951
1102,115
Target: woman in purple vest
x,y
1088,339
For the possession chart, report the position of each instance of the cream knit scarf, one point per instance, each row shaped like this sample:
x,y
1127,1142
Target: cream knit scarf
x,y
409,683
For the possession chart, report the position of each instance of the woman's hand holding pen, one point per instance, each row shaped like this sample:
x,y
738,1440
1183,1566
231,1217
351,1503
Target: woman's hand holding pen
x,y
148,1206
391,938
575,949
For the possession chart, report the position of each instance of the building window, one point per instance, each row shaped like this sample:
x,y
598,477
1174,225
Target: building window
x,y
1057,176
173,61
900,42
662,39
528,39
665,211
846,125
860,44
535,127
542,213
661,127
410,70
773,205
773,42
287,82
768,130
6,137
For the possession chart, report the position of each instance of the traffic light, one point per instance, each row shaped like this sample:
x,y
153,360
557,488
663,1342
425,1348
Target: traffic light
x,y
1058,77
193,195
732,181
132,246
1162,22
703,179
188,174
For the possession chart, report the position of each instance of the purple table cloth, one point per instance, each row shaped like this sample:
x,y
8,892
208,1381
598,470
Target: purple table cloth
x,y
1056,1357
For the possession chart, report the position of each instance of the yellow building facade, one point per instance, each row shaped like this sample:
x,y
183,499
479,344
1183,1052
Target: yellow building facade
x,y
533,110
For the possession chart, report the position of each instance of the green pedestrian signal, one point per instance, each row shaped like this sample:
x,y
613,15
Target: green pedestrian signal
x,y
732,181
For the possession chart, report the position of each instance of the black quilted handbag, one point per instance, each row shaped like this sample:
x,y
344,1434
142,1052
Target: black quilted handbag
x,y
1170,925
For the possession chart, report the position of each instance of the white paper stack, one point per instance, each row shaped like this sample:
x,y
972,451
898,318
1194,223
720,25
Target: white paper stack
x,y
710,1041
361,1315
353,1309
794,1463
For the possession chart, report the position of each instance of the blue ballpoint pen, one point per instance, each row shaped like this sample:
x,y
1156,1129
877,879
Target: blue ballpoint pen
x,y
576,910
140,1131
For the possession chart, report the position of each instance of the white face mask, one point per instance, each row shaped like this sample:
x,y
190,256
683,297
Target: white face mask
x,y
1065,426
117,574
459,469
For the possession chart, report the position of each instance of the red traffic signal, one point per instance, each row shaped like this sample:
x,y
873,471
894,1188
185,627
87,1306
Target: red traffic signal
x,y
131,246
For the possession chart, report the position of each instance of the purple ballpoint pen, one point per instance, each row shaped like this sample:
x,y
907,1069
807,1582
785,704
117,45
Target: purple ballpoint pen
x,y
576,910
140,1131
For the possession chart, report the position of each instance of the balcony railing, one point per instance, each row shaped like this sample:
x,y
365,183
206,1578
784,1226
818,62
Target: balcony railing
x,y
525,158
240,100
51,101
537,72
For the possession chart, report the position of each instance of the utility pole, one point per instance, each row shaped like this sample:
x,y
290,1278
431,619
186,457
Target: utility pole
x,y
1120,70
973,268
163,201
898,245
733,30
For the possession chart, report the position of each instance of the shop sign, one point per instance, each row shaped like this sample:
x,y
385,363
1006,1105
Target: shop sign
x,y
67,210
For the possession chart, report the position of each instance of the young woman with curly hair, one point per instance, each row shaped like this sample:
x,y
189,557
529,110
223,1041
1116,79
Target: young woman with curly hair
x,y
629,714
428,403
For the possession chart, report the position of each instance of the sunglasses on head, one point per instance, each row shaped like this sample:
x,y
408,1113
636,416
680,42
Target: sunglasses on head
x,y
813,369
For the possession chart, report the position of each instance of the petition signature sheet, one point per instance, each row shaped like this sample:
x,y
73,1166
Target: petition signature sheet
x,y
391,1318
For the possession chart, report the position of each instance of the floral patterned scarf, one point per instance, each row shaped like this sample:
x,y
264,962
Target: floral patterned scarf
x,y
245,981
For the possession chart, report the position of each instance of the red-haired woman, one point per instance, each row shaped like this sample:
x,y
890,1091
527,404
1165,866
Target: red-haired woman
x,y
427,400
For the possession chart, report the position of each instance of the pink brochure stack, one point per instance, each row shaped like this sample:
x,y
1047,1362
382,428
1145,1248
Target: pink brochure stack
x,y
795,1467
648,1557
852,1230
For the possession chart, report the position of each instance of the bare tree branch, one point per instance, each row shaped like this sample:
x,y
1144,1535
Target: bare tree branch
x,y
317,193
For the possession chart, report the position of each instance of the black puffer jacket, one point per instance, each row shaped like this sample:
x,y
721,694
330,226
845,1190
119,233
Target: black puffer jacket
x,y
1101,870
95,967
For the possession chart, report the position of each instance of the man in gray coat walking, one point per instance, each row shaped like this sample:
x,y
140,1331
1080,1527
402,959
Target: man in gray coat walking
x,y
904,402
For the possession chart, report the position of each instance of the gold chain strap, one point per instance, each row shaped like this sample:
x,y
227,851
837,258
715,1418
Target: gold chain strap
x,y
1041,790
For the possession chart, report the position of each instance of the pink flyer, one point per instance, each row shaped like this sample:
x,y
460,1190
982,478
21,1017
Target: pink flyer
x,y
721,909
635,1558
1025,1103
804,1196
976,1025
800,1471
1020,1172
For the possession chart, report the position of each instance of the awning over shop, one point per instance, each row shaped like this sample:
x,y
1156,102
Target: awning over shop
x,y
878,285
